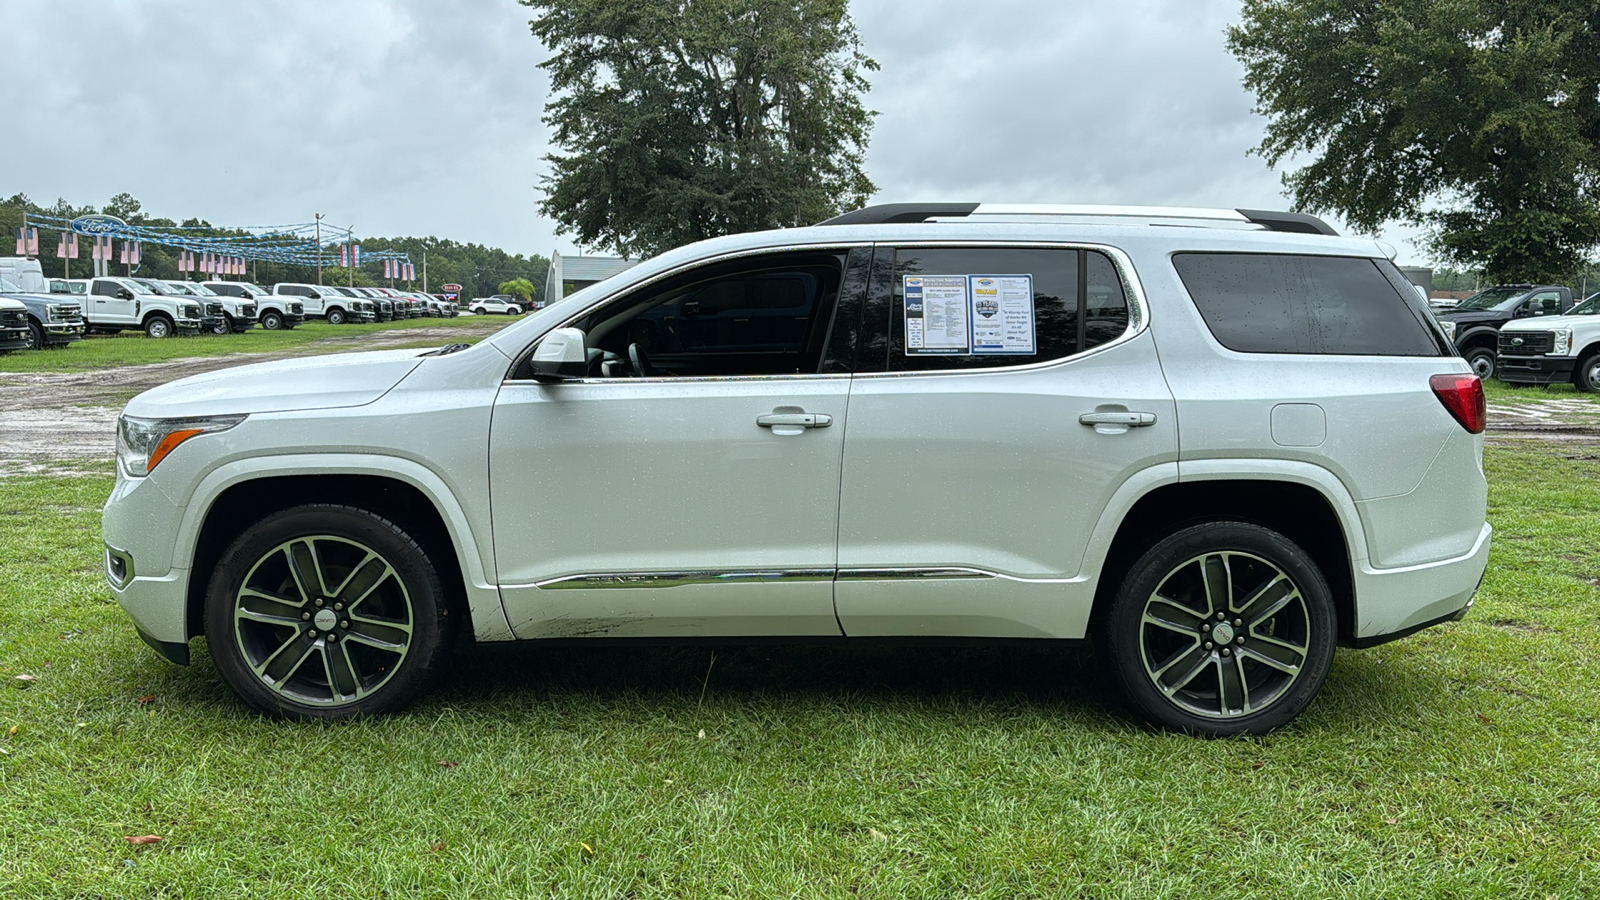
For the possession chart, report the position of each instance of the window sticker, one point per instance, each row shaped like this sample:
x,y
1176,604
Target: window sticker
x,y
937,309
976,315
1002,315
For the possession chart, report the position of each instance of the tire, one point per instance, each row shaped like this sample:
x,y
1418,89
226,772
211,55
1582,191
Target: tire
x,y
336,316
1586,377
271,320
1160,635
1481,359
158,326
324,651
35,335
223,326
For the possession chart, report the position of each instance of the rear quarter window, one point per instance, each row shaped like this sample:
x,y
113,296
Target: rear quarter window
x,y
1285,303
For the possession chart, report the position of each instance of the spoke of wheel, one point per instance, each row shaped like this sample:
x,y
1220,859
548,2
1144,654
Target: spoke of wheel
x,y
1173,616
1268,600
285,660
1232,691
342,678
363,580
1219,586
392,636
1279,654
306,569
262,607
1189,663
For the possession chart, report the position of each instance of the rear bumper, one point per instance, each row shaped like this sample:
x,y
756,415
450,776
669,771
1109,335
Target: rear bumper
x,y
1537,369
1392,603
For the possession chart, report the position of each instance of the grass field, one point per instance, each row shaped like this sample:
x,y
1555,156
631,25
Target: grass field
x,y
1461,762
133,348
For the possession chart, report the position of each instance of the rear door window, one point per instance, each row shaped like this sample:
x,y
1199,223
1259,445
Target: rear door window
x,y
1287,303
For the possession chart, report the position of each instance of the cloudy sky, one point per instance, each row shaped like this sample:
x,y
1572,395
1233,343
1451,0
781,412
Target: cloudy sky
x,y
420,117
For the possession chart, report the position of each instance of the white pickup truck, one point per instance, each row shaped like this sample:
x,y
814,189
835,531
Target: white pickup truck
x,y
123,304
1554,349
322,300
274,312
238,314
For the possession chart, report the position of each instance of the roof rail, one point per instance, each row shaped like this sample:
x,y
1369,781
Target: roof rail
x,y
885,213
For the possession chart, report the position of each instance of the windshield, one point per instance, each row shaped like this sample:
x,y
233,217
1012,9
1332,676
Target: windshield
x,y
156,287
7,287
173,288
251,289
1587,308
1490,298
137,287
199,290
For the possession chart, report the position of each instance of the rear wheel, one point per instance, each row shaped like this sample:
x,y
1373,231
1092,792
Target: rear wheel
x,y
158,326
1481,359
1222,628
1587,375
325,612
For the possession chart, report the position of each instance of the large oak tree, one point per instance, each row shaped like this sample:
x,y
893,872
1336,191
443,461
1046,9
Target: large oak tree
x,y
678,120
1477,118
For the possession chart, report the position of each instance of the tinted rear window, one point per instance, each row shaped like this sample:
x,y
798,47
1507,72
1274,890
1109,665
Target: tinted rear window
x,y
1280,303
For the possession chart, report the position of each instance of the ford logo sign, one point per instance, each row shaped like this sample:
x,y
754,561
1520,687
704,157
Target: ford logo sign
x,y
1516,342
98,224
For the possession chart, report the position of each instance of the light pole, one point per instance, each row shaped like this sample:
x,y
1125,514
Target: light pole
x,y
319,248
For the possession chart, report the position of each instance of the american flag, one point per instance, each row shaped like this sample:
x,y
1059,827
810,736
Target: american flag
x,y
72,246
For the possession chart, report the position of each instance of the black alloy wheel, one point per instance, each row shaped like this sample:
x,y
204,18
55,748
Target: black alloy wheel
x,y
326,612
1221,628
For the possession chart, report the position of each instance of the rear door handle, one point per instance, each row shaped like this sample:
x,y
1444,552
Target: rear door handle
x,y
795,420
1125,419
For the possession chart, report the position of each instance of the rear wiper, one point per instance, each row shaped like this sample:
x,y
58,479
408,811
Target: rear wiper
x,y
446,350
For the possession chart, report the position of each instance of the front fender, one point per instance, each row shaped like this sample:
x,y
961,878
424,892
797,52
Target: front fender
x,y
474,556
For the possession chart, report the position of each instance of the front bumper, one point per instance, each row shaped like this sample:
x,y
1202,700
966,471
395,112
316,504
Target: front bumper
x,y
210,322
1536,369
242,322
14,339
191,326
63,332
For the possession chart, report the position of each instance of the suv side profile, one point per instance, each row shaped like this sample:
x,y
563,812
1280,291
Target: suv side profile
x,y
938,422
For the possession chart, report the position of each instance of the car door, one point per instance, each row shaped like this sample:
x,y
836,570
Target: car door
x,y
1015,392
107,306
697,497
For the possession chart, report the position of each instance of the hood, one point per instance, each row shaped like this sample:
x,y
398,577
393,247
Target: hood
x,y
7,303
1546,323
1467,316
318,382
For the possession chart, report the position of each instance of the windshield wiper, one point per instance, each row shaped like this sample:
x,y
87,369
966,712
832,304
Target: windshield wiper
x,y
446,350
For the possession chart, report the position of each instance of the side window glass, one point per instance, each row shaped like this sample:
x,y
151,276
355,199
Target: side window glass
x,y
104,289
981,307
764,316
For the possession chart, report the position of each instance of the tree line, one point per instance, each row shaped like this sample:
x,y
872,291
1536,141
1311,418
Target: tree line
x,y
480,270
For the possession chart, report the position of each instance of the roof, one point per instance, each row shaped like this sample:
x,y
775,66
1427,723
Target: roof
x,y
593,268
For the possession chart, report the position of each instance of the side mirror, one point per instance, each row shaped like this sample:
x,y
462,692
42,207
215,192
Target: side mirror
x,y
560,355
124,294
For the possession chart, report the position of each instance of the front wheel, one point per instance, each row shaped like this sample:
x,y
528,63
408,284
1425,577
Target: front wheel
x,y
271,320
158,327
1222,628
35,335
336,316
325,612
223,325
1481,359
1587,376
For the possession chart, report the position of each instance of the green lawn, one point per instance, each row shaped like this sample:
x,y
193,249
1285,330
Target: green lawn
x,y
133,348
1461,762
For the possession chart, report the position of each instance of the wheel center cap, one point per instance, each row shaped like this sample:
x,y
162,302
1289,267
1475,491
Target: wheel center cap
x,y
325,619
1222,634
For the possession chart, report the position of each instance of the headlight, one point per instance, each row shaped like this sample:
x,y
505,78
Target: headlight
x,y
1563,344
1449,329
143,443
192,312
53,310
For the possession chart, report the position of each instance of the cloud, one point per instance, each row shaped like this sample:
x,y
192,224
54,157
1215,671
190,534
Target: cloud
x,y
419,117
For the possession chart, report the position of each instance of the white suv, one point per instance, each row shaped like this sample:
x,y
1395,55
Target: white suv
x,y
1218,447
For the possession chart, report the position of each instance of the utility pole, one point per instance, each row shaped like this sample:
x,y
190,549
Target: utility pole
x,y
424,271
319,248
350,251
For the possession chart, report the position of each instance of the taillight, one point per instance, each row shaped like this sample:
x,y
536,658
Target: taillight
x,y
1462,395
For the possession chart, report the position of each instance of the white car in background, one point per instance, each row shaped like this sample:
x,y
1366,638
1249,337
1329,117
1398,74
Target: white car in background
x,y
484,306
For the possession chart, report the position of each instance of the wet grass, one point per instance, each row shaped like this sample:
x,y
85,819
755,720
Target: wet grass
x,y
128,348
1461,762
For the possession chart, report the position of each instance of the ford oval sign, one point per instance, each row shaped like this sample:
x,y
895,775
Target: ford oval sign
x,y
449,287
98,224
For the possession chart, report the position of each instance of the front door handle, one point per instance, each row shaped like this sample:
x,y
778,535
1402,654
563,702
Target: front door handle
x,y
795,420
1125,419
